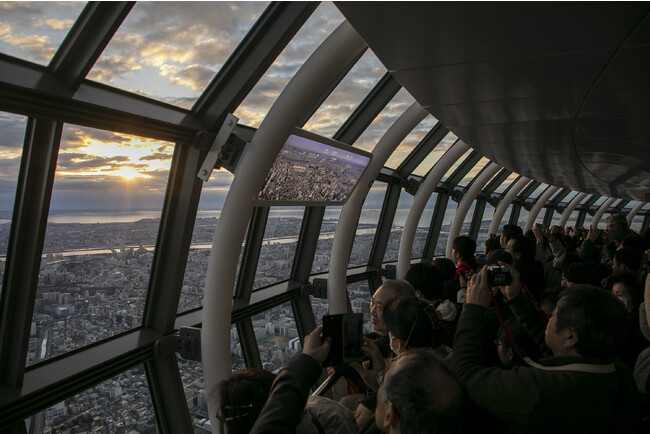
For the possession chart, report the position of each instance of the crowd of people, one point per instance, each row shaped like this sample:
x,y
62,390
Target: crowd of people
x,y
545,331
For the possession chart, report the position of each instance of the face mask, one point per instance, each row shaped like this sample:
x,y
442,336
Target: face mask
x,y
625,301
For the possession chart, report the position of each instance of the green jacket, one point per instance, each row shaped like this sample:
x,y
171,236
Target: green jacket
x,y
558,394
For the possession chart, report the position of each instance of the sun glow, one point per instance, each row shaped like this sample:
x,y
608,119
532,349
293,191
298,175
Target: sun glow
x,y
129,173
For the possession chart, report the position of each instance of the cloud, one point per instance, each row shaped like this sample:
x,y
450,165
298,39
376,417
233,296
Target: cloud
x,y
195,76
54,23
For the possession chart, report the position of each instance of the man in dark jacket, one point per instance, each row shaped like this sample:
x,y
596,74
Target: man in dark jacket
x,y
582,388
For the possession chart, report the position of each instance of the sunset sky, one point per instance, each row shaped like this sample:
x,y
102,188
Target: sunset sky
x,y
170,51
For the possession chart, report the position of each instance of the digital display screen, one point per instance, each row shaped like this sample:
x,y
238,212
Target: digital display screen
x,y
313,170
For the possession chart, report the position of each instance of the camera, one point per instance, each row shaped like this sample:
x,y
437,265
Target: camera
x,y
498,276
346,331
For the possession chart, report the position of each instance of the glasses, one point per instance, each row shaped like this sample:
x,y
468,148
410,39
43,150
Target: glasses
x,y
497,343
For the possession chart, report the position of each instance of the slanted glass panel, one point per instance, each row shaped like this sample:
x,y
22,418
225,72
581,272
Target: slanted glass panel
x,y
430,160
403,207
324,246
411,141
277,336
359,293
12,133
631,204
100,238
279,245
384,120
349,93
585,199
505,184
601,200
422,230
33,31
170,51
569,197
615,203
325,19
474,171
367,226
119,405
488,213
538,191
213,195
454,166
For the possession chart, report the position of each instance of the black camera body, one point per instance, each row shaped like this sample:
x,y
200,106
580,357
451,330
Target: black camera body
x,y
346,331
498,276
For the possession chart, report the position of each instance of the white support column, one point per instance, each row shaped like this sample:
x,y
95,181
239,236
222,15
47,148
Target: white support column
x,y
633,212
570,207
601,211
303,89
478,184
420,202
541,201
505,203
349,217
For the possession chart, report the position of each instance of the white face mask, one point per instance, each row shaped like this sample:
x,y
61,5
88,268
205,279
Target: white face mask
x,y
624,300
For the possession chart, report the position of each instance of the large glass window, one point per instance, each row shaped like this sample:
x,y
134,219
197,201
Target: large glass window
x,y
194,384
324,246
12,132
486,221
450,212
523,217
359,293
170,51
316,29
637,223
213,195
101,233
34,30
367,226
279,245
403,208
422,230
121,404
277,336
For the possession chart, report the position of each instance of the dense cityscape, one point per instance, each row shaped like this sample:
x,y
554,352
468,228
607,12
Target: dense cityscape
x,y
93,283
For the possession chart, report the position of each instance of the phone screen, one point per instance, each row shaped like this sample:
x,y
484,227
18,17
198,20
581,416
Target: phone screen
x,y
346,331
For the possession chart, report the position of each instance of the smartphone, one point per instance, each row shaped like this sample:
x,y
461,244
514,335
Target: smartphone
x,y
346,331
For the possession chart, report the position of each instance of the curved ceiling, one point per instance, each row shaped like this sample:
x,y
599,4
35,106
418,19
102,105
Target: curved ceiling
x,y
559,92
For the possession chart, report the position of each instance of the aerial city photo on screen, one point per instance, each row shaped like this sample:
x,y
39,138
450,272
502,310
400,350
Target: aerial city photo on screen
x,y
310,171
